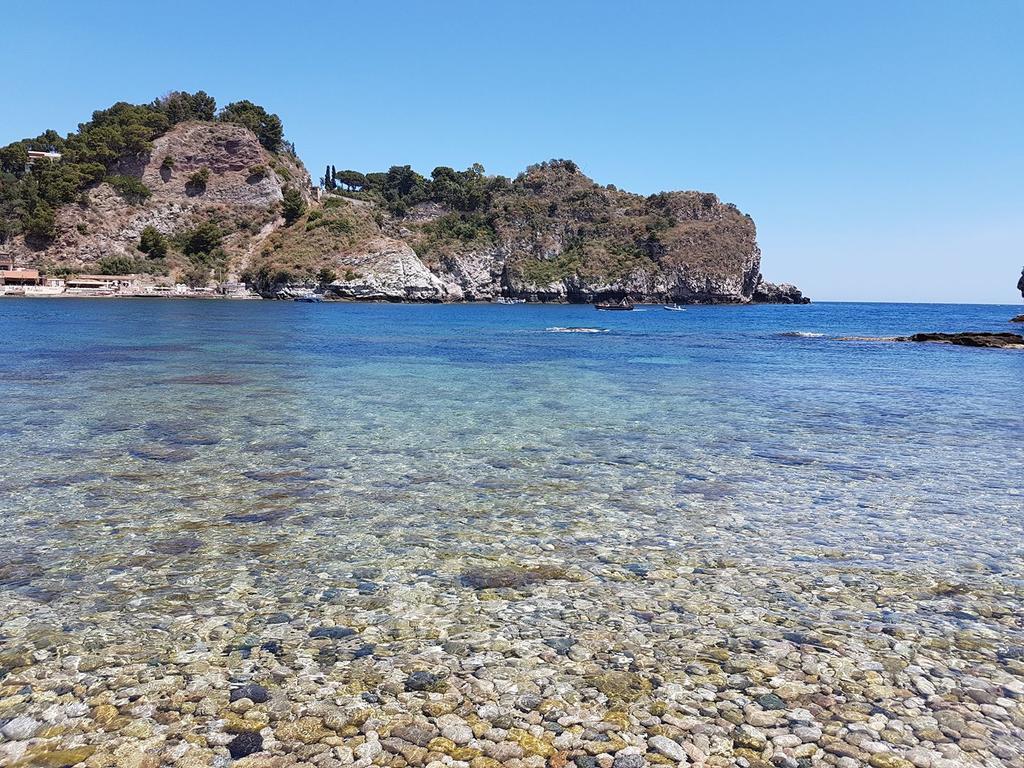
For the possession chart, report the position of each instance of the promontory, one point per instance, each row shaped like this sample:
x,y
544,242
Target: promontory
x,y
177,192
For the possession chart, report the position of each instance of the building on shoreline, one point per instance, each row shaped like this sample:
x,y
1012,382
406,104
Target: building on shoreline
x,y
28,281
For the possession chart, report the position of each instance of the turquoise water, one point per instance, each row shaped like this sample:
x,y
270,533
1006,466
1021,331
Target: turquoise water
x,y
174,473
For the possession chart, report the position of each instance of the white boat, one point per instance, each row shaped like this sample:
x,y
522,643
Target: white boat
x,y
674,308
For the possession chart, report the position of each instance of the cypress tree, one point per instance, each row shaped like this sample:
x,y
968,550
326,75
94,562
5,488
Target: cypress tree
x,y
328,181
334,178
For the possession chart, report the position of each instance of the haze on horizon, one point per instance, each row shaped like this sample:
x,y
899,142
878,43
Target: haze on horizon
x,y
877,146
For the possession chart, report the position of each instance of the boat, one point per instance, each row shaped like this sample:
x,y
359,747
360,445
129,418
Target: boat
x,y
506,300
674,308
622,304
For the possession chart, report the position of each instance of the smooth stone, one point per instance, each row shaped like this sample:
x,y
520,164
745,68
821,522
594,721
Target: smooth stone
x,y
333,633
21,728
255,693
665,746
771,701
245,744
422,680
629,761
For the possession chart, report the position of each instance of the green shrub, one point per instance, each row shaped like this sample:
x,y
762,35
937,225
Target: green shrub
x,y
293,206
197,276
153,243
41,224
167,164
130,188
326,275
82,227
116,265
198,180
202,239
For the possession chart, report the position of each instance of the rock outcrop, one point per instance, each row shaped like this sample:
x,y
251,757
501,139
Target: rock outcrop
x,y
219,200
963,339
552,234
242,194
970,339
782,293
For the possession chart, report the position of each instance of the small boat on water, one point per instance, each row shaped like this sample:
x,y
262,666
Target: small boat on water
x,y
674,308
621,305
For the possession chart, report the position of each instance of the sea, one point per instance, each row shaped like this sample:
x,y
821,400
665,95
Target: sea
x,y
180,477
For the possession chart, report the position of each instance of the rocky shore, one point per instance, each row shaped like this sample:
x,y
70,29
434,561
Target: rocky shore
x,y
965,339
687,666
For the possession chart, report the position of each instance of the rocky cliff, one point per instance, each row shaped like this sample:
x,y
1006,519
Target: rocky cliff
x,y
241,196
176,189
552,234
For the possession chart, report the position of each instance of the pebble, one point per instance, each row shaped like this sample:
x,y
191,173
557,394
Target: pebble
x,y
255,693
20,728
667,747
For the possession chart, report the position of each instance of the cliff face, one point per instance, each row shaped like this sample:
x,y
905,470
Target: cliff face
x,y
242,196
550,235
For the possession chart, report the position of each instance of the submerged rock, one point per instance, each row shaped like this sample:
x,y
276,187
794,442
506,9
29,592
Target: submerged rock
x,y
421,680
334,633
505,576
970,339
245,744
255,693
965,339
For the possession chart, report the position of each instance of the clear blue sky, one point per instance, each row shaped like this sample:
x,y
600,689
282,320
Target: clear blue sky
x,y
879,146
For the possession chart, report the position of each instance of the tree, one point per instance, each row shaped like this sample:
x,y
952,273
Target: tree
x,y
266,126
41,224
180,106
197,276
130,188
116,265
153,243
202,239
294,206
334,178
351,179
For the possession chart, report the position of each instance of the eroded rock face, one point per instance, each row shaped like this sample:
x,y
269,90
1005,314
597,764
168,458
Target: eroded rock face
x,y
110,225
389,270
782,293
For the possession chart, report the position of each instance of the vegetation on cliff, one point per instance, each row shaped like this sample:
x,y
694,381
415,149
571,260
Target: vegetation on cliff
x,y
550,225
31,192
176,188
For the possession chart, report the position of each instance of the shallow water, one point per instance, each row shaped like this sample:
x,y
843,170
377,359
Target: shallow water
x,y
174,473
